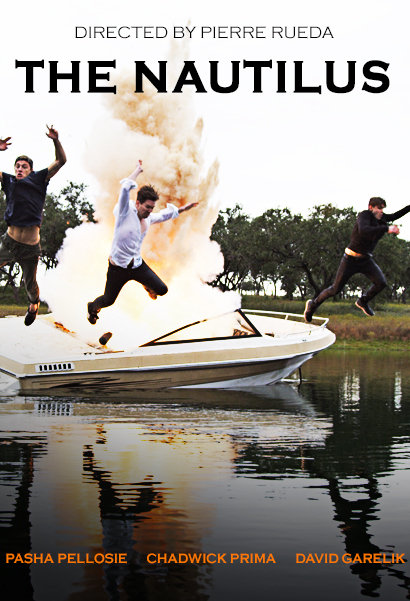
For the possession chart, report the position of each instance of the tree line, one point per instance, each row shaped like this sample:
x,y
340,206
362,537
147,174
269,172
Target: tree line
x,y
299,256
278,250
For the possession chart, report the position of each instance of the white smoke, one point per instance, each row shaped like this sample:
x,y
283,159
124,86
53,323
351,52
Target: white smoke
x,y
161,131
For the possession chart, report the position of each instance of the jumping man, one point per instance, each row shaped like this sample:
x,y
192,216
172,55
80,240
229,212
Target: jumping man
x,y
25,195
370,226
132,220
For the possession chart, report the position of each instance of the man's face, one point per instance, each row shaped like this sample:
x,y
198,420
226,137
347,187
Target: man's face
x,y
377,211
22,169
144,209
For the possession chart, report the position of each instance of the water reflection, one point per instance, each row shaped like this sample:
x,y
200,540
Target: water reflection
x,y
16,473
370,430
354,519
276,469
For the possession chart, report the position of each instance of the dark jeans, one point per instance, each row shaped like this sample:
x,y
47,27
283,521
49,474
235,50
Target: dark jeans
x,y
26,255
348,267
117,277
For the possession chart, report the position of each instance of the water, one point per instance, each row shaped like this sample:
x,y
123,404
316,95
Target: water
x,y
275,474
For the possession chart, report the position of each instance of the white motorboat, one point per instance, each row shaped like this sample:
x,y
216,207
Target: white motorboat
x,y
242,348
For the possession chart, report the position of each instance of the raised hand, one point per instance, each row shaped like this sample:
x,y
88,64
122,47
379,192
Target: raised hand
x,y
52,133
138,169
4,144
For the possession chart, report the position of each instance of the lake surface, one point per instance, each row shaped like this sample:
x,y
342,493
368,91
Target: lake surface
x,y
276,473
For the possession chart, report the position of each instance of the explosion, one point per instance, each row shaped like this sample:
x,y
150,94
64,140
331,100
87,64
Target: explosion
x,y
162,131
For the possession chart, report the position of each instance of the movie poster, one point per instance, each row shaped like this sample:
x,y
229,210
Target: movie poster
x,y
197,496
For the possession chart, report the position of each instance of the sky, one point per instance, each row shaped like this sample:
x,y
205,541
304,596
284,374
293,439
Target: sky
x,y
274,150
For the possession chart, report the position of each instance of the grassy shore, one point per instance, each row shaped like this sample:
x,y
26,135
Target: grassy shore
x,y
9,306
13,309
389,329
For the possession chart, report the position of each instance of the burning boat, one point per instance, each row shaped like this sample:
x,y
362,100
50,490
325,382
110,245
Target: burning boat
x,y
242,348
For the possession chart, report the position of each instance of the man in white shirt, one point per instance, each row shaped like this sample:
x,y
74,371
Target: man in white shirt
x,y
132,221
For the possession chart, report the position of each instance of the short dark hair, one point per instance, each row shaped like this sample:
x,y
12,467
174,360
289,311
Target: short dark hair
x,y
24,157
378,202
147,193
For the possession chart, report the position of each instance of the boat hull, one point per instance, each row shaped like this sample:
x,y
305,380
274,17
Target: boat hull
x,y
281,348
252,373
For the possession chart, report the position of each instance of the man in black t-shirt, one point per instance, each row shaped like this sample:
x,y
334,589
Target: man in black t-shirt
x,y
25,196
370,226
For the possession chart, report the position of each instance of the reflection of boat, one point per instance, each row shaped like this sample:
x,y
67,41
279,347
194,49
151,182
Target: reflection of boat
x,y
228,350
282,397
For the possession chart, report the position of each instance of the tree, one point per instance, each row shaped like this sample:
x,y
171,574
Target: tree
x,y
232,231
326,232
68,209
276,239
300,253
393,256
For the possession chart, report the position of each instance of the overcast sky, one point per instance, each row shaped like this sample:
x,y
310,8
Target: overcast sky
x,y
293,150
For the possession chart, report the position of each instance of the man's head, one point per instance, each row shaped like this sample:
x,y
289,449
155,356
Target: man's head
x,y
146,199
377,206
23,166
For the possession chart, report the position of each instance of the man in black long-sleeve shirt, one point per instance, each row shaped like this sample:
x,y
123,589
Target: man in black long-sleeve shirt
x,y
370,226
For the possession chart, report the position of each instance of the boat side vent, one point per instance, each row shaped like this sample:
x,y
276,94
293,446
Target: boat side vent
x,y
53,367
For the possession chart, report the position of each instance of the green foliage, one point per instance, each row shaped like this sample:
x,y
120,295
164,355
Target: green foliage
x,y
68,209
301,254
232,231
343,308
393,256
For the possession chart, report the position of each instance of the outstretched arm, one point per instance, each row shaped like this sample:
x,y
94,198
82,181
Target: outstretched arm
x,y
393,229
4,144
171,212
188,207
397,214
60,154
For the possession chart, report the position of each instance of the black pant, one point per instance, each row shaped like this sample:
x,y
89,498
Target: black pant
x,y
348,267
117,277
26,255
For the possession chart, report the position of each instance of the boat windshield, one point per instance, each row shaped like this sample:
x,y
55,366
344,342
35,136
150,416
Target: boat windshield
x,y
228,325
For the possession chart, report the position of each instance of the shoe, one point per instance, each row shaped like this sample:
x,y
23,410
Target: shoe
x,y
91,314
30,316
309,310
104,338
151,293
361,304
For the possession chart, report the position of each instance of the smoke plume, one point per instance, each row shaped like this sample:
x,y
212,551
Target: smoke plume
x,y
163,132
